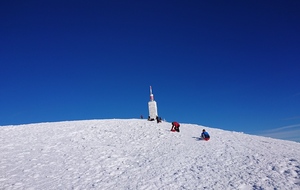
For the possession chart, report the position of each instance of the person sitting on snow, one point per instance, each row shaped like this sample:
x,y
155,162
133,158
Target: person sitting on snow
x,y
175,126
205,135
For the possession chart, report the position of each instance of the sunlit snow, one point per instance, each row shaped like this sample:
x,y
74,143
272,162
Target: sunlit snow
x,y
139,154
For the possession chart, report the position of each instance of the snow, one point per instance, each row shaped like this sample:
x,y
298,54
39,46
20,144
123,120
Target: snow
x,y
140,154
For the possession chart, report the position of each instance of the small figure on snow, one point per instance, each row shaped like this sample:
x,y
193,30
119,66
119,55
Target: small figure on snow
x,y
158,119
205,135
175,126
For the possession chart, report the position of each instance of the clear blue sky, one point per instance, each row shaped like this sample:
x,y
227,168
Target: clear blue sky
x,y
233,65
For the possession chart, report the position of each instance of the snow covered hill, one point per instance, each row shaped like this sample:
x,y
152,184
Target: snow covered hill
x,y
139,154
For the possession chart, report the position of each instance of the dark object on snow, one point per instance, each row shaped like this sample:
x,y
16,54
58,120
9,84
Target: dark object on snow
x,y
150,119
158,119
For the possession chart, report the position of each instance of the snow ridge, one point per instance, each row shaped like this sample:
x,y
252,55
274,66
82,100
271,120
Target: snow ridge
x,y
139,154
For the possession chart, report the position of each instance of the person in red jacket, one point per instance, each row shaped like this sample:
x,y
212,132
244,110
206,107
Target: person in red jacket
x,y
175,126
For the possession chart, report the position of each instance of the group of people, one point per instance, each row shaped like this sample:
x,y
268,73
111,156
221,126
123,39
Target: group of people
x,y
176,125
158,119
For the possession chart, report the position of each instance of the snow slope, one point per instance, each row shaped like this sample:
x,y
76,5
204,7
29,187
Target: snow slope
x,y
139,154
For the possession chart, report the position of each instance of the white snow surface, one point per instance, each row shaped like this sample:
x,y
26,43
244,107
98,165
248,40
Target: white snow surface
x,y
140,154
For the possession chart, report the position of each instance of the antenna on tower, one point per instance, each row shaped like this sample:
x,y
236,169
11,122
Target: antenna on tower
x,y
151,95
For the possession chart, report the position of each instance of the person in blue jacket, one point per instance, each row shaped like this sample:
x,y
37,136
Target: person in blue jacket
x,y
205,135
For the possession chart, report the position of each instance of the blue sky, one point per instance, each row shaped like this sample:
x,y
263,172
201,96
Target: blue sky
x,y
232,65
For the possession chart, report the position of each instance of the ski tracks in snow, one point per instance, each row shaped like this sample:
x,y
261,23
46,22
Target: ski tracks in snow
x,y
138,154
252,163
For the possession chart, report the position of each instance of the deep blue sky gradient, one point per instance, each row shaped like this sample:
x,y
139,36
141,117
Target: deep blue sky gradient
x,y
233,65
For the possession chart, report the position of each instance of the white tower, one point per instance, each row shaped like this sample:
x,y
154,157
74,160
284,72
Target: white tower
x,y
152,106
